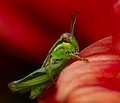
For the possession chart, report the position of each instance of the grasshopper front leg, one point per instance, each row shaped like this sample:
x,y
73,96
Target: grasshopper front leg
x,y
76,56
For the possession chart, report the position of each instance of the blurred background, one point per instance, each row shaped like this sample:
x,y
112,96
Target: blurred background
x,y
28,29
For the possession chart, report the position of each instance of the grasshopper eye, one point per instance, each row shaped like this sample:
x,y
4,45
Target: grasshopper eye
x,y
65,38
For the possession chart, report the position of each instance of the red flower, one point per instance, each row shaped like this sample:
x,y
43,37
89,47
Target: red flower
x,y
30,28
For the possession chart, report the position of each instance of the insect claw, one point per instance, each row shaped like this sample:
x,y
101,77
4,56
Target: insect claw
x,y
84,59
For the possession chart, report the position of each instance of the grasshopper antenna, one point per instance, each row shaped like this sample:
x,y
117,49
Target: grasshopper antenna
x,y
73,23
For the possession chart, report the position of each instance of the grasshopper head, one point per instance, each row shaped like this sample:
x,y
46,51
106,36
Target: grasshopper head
x,y
69,38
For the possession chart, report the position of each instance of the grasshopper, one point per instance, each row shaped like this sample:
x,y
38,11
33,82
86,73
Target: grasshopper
x,y
65,49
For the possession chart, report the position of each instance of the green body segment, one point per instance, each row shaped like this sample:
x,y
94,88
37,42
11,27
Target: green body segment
x,y
58,57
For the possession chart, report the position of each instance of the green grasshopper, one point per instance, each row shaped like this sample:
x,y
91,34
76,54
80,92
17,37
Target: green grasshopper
x,y
58,57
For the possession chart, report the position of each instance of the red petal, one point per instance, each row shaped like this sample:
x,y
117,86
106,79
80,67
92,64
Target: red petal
x,y
93,94
116,37
101,70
